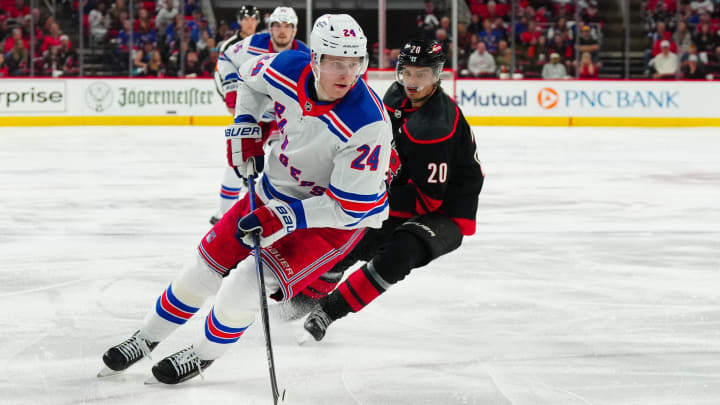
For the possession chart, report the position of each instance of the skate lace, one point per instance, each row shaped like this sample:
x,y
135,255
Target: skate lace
x,y
135,347
187,361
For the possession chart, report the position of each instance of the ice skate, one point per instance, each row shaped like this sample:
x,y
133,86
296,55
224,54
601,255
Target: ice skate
x,y
125,354
317,323
179,367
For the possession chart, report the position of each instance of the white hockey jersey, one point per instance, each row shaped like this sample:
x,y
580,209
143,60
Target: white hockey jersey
x,y
234,53
331,162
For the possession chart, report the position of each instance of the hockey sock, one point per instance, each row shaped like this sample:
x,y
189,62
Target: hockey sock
x,y
181,300
228,198
361,288
220,331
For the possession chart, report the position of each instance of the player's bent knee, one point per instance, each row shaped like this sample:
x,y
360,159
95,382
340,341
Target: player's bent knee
x,y
439,233
196,282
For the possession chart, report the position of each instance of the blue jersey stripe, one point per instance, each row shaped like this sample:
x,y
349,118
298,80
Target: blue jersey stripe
x,y
280,87
332,129
355,197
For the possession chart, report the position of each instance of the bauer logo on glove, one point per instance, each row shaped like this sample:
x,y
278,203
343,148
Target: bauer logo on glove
x,y
245,147
273,221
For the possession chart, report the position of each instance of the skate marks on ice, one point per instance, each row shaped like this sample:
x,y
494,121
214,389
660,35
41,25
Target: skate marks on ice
x,y
592,279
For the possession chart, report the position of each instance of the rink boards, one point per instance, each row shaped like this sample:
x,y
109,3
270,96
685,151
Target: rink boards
x,y
117,101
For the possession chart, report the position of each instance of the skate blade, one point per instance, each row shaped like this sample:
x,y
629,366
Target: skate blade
x,y
304,338
108,372
152,381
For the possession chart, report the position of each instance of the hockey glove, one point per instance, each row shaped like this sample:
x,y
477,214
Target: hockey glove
x,y
245,148
272,221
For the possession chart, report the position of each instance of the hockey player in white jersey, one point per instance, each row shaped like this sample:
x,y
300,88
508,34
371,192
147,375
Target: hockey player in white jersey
x,y
283,27
323,183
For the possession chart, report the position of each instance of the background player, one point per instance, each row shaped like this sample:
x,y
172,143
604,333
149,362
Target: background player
x,y
281,36
433,198
325,182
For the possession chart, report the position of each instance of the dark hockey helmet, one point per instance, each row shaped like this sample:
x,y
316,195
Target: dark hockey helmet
x,y
422,53
248,11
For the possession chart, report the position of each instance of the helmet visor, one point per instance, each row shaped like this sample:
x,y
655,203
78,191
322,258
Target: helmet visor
x,y
417,77
342,65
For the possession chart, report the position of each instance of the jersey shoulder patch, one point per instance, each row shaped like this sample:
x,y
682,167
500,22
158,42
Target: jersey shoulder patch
x,y
290,64
259,44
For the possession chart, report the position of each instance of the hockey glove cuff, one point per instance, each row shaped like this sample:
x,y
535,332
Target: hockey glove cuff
x,y
245,148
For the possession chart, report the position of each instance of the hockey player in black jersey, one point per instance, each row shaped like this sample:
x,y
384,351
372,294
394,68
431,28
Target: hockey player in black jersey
x,y
433,197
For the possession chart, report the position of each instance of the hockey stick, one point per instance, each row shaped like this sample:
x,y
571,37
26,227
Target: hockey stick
x,y
263,301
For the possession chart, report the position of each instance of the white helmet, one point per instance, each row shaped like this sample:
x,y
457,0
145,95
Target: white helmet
x,y
283,15
338,35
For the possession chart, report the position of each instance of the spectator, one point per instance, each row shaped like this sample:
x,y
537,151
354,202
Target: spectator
x,y
692,70
661,33
17,59
590,14
192,65
427,21
154,67
682,38
53,62
588,69
504,57
586,43
536,55
699,6
561,47
4,71
99,22
490,37
190,7
117,8
554,69
533,32
208,66
142,57
666,63
223,32
5,31
481,62
442,37
204,46
704,39
16,37
464,44
165,17
143,18
560,27
18,10
475,24
145,33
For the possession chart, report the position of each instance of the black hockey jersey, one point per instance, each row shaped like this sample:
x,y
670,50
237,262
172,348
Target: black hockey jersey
x,y
440,171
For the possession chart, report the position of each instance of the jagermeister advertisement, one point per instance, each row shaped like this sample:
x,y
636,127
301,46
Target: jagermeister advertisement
x,y
152,97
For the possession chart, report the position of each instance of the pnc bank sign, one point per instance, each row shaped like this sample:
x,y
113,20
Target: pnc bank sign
x,y
548,98
558,98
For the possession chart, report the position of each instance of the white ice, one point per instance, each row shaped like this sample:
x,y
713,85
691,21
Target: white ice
x,y
594,277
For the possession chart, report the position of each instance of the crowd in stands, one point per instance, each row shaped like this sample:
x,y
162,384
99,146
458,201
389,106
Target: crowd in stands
x,y
159,34
48,53
553,38
683,39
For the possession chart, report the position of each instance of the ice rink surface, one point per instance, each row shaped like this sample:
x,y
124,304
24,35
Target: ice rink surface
x,y
594,277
